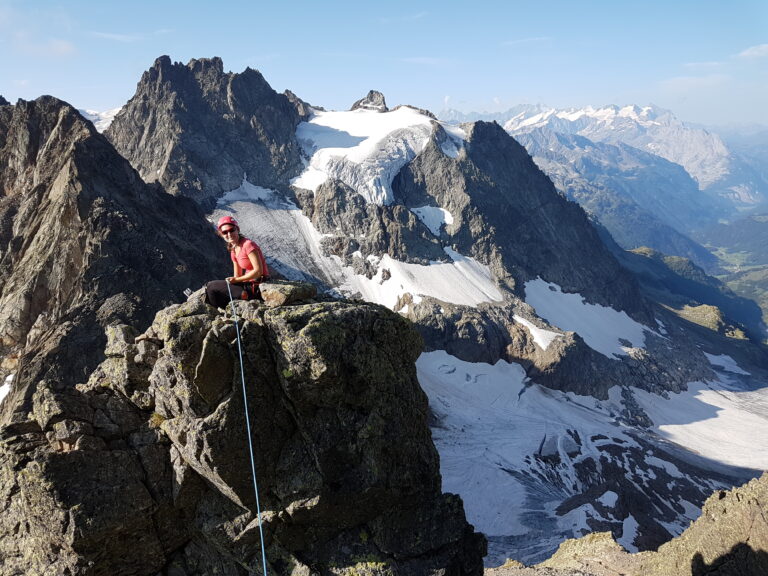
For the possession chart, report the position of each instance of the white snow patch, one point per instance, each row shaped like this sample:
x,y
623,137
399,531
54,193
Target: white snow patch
x,y
629,533
450,149
247,192
6,386
433,217
670,468
101,120
724,425
362,148
541,336
455,132
464,281
601,327
609,499
457,136
691,512
576,519
726,363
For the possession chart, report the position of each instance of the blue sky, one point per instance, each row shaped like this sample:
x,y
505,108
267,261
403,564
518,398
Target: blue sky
x,y
707,61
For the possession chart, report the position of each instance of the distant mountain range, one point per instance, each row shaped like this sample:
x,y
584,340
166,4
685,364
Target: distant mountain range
x,y
717,169
649,178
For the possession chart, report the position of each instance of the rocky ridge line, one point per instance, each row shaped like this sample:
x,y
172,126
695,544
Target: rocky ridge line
x,y
199,131
144,468
84,243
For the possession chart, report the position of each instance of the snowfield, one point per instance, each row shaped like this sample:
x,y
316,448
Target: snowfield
x,y
433,217
494,426
601,327
540,336
364,149
716,420
726,363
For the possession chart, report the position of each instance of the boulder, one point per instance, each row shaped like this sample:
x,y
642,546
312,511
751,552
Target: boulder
x,y
279,293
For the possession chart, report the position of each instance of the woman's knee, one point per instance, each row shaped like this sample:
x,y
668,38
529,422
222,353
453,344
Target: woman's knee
x,y
216,293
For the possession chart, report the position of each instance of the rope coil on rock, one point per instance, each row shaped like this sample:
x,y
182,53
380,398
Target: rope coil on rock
x,y
248,430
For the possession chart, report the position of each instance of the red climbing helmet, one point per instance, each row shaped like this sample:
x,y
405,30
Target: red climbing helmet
x,y
227,220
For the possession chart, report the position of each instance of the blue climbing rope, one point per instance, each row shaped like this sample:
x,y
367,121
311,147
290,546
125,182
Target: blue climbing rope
x,y
248,430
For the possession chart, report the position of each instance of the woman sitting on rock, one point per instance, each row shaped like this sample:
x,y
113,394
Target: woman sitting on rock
x,y
249,267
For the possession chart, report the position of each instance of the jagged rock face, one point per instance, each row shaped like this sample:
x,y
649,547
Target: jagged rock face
x,y
351,224
729,538
508,215
83,243
183,117
4,102
355,231
145,469
374,100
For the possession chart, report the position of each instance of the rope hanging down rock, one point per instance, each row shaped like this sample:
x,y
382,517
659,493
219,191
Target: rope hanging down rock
x,y
248,431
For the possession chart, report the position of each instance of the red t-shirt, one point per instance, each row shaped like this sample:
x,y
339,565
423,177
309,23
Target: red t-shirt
x,y
242,260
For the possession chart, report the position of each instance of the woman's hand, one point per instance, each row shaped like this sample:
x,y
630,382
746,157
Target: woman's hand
x,y
232,279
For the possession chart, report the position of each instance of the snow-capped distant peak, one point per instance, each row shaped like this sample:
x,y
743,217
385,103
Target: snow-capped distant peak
x,y
604,115
648,128
101,120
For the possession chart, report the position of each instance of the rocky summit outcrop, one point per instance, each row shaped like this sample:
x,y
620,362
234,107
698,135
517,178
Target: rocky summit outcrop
x,y
730,538
4,102
145,468
374,100
84,243
199,131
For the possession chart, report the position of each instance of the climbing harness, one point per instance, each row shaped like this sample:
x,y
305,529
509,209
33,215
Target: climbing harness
x,y
248,430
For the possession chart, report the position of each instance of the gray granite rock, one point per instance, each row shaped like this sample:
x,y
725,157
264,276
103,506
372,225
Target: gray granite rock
x,y
199,131
98,483
108,249
280,293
